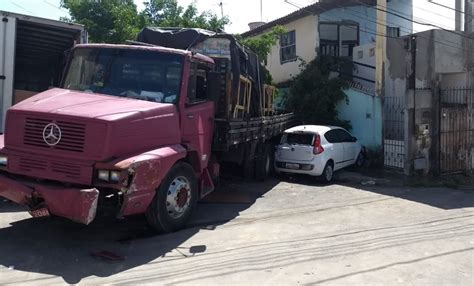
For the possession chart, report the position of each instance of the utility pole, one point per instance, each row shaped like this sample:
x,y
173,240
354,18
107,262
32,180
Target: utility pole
x,y
468,12
458,15
380,47
222,9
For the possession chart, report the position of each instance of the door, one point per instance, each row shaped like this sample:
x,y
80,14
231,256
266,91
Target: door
x,y
351,148
296,147
335,147
7,65
197,117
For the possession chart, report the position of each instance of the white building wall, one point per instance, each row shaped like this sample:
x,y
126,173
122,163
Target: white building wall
x,y
306,33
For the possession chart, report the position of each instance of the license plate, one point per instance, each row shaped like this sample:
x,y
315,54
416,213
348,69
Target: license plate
x,y
40,212
292,166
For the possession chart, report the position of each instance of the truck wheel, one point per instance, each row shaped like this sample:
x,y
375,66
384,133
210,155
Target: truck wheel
x,y
264,163
174,200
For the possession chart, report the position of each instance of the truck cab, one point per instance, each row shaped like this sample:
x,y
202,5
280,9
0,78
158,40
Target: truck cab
x,y
131,126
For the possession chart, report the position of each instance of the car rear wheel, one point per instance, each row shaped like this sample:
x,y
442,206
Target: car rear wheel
x,y
328,173
360,161
174,200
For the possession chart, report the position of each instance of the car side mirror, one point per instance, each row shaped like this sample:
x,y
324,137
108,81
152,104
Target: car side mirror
x,y
354,139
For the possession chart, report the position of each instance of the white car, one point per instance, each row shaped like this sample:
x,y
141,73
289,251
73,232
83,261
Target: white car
x,y
317,150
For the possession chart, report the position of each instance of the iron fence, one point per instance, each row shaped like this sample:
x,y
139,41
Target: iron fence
x,y
456,151
394,132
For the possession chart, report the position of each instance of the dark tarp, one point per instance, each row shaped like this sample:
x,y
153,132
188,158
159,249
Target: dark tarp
x,y
243,60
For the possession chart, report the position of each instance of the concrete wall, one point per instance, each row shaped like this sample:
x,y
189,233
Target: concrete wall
x,y
306,33
362,54
364,111
443,60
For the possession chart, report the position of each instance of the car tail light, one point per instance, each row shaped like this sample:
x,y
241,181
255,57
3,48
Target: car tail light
x,y
318,148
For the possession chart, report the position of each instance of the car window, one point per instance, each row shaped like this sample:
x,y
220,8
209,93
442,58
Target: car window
x,y
343,135
332,136
298,138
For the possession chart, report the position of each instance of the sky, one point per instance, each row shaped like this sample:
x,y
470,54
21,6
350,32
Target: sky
x,y
240,12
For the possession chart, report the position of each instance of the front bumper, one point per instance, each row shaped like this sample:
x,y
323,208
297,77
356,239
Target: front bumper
x,y
79,205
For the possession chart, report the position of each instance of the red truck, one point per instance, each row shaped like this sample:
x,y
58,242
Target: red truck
x,y
140,128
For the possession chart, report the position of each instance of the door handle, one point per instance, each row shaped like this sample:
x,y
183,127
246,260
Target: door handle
x,y
190,116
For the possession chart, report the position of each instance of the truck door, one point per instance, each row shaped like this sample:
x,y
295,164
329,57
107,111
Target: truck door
x,y
197,118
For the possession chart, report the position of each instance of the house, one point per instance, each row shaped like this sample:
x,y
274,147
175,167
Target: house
x,y
429,102
345,28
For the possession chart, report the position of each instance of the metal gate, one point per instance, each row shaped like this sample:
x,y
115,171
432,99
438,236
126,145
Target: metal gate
x,y
394,132
456,130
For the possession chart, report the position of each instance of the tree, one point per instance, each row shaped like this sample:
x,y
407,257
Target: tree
x,y
168,13
262,45
314,93
108,21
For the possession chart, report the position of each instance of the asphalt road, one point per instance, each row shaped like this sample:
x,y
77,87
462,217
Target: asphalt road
x,y
272,233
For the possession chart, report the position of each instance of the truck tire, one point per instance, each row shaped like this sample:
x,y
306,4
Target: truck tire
x,y
175,199
264,163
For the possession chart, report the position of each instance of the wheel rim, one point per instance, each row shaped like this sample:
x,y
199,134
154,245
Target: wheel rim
x,y
328,173
178,197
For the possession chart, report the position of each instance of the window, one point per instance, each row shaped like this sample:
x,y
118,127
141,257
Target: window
x,y
126,73
288,47
343,135
372,52
197,84
360,55
299,139
393,32
338,39
331,136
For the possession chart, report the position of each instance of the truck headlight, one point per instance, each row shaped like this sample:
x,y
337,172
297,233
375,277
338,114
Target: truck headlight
x,y
109,176
3,160
114,176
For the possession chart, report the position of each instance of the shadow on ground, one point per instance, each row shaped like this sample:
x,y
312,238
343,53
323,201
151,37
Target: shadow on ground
x,y
394,185
58,247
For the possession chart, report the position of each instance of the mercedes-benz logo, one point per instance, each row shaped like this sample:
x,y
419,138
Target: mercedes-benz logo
x,y
52,134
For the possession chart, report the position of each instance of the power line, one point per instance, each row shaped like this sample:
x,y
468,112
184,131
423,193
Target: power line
x,y
52,5
377,34
407,30
426,10
19,6
447,7
417,22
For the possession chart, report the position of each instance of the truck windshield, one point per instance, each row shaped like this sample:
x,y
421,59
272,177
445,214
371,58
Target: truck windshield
x,y
130,73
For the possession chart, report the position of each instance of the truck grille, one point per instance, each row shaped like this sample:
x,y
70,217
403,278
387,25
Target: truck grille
x,y
50,169
72,134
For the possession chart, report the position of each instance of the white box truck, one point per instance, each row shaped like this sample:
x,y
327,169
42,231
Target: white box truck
x,y
32,55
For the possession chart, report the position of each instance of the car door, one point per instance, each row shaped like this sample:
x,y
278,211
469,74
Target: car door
x,y
351,148
335,147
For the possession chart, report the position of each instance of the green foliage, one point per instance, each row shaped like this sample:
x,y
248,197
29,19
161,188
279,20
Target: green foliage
x,y
263,44
109,21
116,21
314,95
168,13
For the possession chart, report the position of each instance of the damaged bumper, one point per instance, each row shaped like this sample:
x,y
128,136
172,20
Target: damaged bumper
x,y
79,205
